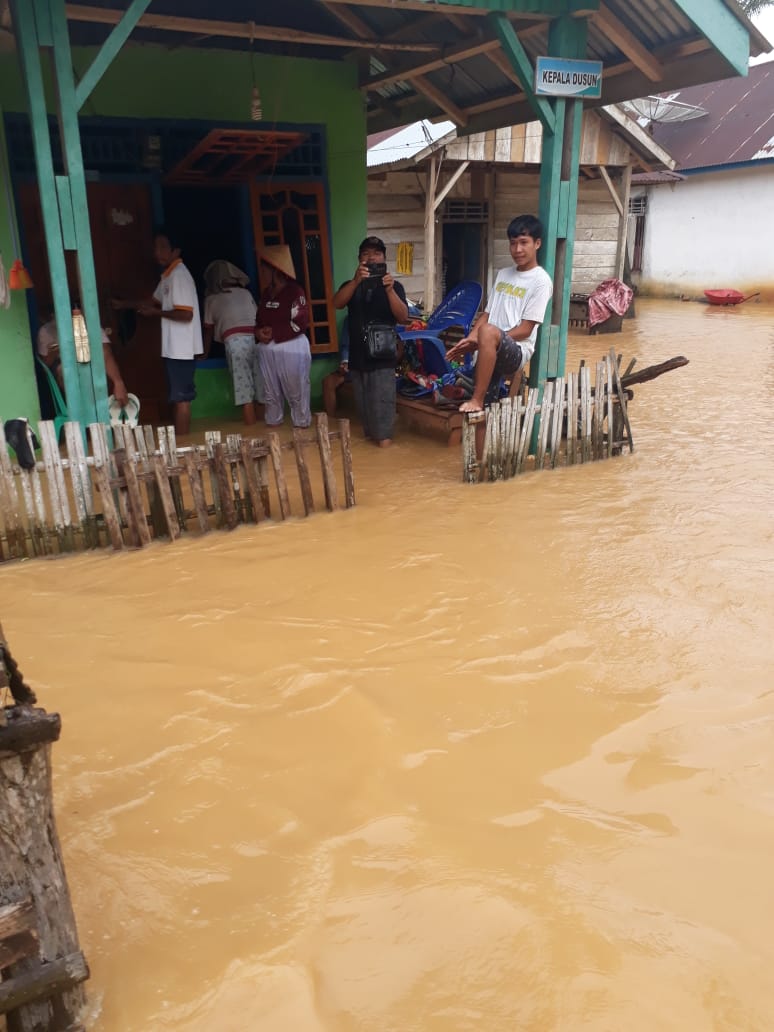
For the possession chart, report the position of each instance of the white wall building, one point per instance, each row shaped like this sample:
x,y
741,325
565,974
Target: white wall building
x,y
712,225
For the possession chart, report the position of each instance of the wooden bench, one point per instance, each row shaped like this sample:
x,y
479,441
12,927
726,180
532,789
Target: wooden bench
x,y
424,415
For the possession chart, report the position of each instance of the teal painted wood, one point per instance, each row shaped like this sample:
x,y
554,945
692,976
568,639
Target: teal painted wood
x,y
109,49
722,28
25,25
560,166
520,61
66,212
93,373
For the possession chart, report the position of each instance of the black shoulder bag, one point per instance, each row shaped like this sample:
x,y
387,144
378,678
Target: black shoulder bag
x,y
381,342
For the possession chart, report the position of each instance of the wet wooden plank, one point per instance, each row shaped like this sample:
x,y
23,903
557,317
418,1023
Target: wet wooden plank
x,y
109,510
623,405
262,465
161,473
136,508
586,402
471,470
610,364
176,487
299,444
275,452
238,476
598,411
526,429
572,417
16,537
557,420
224,486
329,477
211,438
57,489
346,459
546,407
80,479
511,437
251,479
197,489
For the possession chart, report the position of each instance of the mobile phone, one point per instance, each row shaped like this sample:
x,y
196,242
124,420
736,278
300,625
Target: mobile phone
x,y
376,270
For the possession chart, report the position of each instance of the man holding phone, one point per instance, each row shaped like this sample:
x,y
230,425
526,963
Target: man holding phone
x,y
374,301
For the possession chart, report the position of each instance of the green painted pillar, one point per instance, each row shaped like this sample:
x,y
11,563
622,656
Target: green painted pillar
x,y
560,167
40,26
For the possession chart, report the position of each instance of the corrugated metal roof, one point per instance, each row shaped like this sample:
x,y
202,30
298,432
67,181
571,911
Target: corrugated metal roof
x,y
738,126
441,60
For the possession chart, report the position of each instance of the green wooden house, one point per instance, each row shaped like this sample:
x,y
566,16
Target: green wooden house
x,y
245,123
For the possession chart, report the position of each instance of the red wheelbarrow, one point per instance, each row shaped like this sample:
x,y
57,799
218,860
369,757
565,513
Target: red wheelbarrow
x,y
727,297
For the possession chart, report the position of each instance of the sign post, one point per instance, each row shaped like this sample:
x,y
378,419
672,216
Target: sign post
x,y
564,77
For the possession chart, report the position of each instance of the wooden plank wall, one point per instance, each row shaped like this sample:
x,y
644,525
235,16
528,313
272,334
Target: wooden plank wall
x,y
396,213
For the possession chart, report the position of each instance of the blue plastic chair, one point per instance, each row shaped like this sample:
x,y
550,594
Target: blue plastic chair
x,y
458,308
61,415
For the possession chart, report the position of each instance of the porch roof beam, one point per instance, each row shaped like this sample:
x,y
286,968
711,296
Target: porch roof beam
x,y
541,9
406,74
234,30
628,43
722,28
522,65
456,114
108,50
441,197
611,189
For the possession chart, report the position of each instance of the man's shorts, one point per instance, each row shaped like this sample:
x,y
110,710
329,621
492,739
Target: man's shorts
x,y
180,378
510,359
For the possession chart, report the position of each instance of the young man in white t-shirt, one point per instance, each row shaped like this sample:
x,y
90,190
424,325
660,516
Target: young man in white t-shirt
x,y
505,334
176,303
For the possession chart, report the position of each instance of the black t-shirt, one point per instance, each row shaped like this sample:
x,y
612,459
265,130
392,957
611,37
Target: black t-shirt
x,y
369,304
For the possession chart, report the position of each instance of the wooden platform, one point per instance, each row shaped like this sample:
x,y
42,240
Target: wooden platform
x,y
424,415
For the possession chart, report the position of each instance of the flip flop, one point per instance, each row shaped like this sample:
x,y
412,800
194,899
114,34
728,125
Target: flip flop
x,y
126,416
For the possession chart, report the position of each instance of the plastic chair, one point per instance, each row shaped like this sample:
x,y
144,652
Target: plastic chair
x,y
458,308
61,415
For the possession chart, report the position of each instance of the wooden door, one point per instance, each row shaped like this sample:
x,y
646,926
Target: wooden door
x,y
122,239
296,216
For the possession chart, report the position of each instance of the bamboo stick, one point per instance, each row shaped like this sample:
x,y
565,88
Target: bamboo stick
x,y
329,477
346,458
299,443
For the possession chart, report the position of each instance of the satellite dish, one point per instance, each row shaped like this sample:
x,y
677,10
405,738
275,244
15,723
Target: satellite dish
x,y
664,109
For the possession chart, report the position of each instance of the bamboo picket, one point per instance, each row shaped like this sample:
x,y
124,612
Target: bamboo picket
x,y
572,422
146,487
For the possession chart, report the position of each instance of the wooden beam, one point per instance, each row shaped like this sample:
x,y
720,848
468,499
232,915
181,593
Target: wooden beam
x,y
620,258
722,28
637,133
352,21
456,114
118,36
459,171
521,63
428,300
526,9
407,73
235,30
628,43
611,189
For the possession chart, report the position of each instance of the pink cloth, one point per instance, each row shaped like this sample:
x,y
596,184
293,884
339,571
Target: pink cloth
x,y
611,297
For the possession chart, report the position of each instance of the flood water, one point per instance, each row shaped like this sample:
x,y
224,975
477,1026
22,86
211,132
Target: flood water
x,y
462,759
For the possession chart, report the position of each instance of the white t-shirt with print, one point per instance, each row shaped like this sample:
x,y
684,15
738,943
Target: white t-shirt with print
x,y
520,295
231,310
182,340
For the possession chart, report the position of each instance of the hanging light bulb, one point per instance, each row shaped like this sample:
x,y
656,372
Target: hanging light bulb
x,y
81,336
256,110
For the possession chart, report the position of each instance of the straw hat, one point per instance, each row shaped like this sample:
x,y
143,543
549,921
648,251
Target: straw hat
x,y
278,257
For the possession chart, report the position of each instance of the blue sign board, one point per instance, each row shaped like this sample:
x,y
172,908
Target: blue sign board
x,y
562,77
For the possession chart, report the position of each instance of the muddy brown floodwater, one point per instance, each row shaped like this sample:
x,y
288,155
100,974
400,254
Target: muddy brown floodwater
x,y
485,758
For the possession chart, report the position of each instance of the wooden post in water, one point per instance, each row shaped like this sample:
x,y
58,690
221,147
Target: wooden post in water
x,y
41,989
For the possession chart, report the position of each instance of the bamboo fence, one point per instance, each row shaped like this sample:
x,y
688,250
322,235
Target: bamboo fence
x,y
145,487
575,421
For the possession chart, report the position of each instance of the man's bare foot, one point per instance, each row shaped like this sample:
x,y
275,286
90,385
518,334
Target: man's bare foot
x,y
474,405
385,443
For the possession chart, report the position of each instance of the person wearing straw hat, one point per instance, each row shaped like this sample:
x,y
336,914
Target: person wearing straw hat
x,y
229,317
284,352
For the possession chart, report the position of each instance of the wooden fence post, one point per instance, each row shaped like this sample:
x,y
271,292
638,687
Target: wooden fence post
x,y
41,990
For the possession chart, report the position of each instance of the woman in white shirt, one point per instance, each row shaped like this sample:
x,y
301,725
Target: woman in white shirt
x,y
229,317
